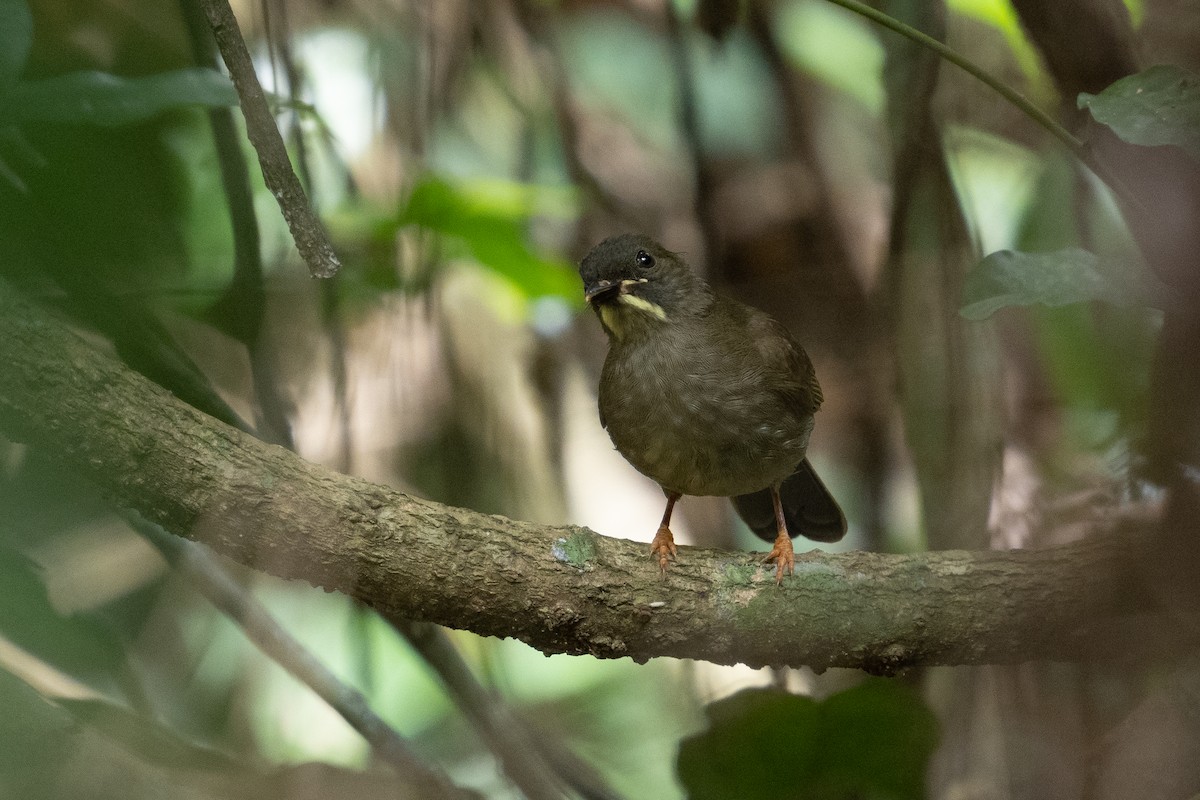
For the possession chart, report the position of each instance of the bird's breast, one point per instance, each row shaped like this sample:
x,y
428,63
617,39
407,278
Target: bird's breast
x,y
697,419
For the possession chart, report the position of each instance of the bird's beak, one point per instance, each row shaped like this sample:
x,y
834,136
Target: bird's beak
x,y
604,291
601,291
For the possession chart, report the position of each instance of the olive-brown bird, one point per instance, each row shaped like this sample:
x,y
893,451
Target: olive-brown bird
x,y
707,396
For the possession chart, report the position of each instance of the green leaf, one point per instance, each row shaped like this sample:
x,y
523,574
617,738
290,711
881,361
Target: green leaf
x,y
79,645
149,740
877,739
1157,106
1071,275
751,736
16,36
98,98
489,217
872,741
37,739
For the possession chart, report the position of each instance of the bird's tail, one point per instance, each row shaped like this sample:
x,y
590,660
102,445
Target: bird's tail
x,y
808,508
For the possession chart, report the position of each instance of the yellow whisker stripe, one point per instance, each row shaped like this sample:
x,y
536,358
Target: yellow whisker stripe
x,y
641,304
612,320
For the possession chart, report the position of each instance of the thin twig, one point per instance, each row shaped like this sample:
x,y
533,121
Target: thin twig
x,y
212,580
307,231
1070,141
954,57
241,308
280,40
537,769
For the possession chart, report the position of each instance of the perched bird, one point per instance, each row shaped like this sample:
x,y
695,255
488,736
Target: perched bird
x,y
707,396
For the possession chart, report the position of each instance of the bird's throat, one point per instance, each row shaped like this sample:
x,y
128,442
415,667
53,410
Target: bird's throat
x,y
630,312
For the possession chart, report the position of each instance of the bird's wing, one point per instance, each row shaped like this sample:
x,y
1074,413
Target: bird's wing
x,y
783,355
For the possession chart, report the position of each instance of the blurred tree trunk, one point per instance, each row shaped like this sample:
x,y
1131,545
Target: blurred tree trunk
x,y
1088,44
948,367
1008,731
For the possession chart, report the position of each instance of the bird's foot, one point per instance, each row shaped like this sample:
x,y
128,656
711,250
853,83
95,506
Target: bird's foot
x,y
784,557
663,548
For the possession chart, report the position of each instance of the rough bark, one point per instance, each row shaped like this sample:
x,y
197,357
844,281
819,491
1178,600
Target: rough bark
x,y
560,589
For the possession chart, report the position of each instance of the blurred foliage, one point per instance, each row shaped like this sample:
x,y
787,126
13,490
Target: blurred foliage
x,y
835,46
1000,14
78,645
157,744
488,218
97,98
16,37
870,742
504,139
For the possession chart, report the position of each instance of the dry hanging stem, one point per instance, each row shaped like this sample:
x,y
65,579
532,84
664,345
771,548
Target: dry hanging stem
x,y
307,231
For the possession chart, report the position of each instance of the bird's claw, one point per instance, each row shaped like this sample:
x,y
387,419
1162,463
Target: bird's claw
x,y
662,548
784,557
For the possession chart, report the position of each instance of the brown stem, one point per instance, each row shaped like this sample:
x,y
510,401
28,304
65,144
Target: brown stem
x,y
309,234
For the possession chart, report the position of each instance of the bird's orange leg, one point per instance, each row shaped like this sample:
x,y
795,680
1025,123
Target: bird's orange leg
x,y
663,545
782,553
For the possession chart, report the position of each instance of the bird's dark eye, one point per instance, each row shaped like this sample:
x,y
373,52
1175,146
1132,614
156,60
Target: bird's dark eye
x,y
644,259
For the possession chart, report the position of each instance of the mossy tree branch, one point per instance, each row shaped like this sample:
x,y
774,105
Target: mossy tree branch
x,y
560,589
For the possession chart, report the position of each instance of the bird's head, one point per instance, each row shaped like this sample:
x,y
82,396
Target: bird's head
x,y
635,284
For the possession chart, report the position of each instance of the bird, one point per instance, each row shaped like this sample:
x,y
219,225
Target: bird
x,y
707,397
